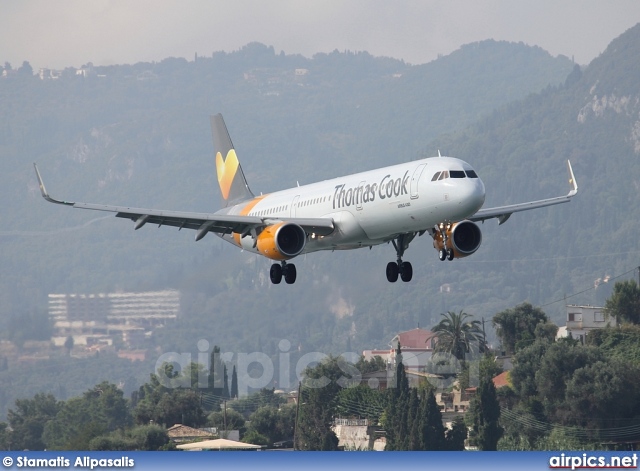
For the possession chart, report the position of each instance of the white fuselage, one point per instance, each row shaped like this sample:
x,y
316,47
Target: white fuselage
x,y
373,207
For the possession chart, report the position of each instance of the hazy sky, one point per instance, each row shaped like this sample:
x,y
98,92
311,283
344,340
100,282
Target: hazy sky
x,y
62,33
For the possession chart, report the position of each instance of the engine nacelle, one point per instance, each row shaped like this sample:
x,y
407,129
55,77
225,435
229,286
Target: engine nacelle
x,y
464,238
281,241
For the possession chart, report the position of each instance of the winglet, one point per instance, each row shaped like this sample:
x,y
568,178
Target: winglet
x,y
43,190
572,181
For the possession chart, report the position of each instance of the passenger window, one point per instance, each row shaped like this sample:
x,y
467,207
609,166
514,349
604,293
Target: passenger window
x,y
457,174
435,177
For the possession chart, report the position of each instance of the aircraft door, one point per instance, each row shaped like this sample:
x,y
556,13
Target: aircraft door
x,y
294,205
415,179
359,192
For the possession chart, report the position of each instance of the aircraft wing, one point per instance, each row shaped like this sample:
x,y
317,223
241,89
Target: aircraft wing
x,y
201,222
504,212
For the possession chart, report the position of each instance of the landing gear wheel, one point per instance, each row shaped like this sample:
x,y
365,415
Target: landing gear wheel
x,y
406,271
275,274
392,272
289,271
442,255
450,254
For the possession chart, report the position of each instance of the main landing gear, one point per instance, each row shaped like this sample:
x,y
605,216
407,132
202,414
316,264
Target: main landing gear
x,y
404,269
443,253
288,270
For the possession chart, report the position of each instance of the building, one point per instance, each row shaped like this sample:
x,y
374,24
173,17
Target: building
x,y
100,319
583,319
416,346
184,434
358,434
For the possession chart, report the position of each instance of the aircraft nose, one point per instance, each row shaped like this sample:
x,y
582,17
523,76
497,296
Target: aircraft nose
x,y
474,195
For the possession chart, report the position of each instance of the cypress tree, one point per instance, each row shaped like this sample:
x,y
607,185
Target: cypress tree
x,y
225,389
456,436
433,430
414,424
396,413
485,416
234,383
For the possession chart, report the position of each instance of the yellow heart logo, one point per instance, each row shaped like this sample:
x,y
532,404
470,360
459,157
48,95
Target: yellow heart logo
x,y
226,169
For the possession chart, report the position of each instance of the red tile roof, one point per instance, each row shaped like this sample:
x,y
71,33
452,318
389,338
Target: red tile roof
x,y
416,338
502,380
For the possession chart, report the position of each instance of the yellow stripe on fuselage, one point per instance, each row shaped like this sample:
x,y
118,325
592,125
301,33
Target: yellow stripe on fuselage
x,y
246,210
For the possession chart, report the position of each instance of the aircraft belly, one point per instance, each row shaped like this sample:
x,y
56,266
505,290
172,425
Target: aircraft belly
x,y
395,217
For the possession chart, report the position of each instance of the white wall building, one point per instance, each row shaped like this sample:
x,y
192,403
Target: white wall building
x,y
583,319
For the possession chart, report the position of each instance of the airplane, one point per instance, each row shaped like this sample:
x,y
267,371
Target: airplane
x,y
439,196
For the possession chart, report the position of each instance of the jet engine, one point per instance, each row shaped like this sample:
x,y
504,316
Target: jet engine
x,y
281,241
462,239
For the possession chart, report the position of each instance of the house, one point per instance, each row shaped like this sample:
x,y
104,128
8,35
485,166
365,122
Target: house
x,y
583,319
503,379
455,402
416,346
358,434
184,434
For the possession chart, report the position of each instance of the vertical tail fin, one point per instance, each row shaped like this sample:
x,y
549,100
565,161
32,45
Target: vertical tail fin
x,y
233,184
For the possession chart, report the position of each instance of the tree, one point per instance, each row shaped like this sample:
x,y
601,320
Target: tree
x,y
167,402
28,420
620,342
516,328
216,373
234,421
255,438
320,388
151,437
143,437
624,303
557,366
99,411
180,406
604,395
26,69
456,435
433,435
484,415
225,387
456,335
369,366
234,384
485,367
263,397
274,424
5,444
395,414
526,363
68,344
361,401
546,331
415,423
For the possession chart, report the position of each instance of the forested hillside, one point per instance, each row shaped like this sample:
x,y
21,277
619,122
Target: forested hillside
x,y
139,135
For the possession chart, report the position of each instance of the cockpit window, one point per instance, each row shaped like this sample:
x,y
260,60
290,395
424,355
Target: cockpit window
x,y
444,175
457,173
435,177
471,174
